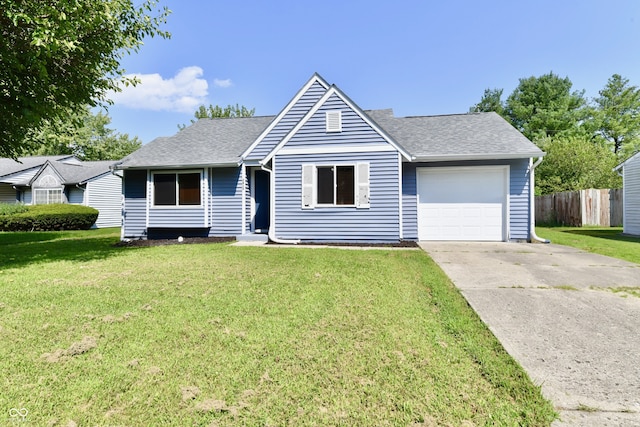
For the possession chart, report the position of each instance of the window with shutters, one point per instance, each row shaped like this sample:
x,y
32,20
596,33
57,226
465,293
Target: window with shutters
x,y
176,189
335,185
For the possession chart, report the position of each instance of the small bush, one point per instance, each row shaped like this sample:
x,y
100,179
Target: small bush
x,y
50,218
12,208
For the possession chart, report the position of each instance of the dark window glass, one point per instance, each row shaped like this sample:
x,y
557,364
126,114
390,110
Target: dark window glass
x,y
164,189
345,185
325,185
189,184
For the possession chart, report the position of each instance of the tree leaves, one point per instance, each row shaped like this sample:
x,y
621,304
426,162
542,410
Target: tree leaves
x,y
59,56
218,112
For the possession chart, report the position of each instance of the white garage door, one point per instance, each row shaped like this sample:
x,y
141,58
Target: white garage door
x,y
462,203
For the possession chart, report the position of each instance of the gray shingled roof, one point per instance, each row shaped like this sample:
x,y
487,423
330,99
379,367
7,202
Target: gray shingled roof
x,y
472,136
78,174
220,142
71,173
207,142
10,166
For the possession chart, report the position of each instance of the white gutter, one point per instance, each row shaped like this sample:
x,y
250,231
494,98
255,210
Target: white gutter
x,y
272,210
532,210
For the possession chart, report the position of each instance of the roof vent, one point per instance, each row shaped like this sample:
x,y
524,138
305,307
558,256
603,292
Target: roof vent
x,y
334,121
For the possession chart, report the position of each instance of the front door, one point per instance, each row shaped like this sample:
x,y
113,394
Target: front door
x,y
261,197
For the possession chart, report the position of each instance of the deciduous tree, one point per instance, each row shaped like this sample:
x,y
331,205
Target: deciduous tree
x,y
545,106
85,135
218,112
58,56
575,163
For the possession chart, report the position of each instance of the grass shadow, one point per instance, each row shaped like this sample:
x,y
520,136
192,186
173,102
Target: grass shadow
x,y
20,249
613,234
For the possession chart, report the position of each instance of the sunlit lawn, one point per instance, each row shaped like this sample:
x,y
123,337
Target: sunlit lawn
x,y
600,240
214,334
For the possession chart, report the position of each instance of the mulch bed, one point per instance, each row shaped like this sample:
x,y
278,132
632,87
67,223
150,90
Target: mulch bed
x,y
163,242
199,240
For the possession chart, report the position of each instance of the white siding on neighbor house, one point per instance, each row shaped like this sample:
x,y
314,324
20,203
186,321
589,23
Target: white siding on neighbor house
x,y
7,194
290,119
518,221
631,195
104,193
379,222
225,201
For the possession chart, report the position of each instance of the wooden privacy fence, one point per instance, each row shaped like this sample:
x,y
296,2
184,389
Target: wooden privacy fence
x,y
578,208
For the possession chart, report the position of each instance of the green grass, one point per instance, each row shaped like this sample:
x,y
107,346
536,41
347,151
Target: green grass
x,y
219,335
605,241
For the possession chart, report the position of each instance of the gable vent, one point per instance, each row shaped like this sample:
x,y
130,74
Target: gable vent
x,y
334,121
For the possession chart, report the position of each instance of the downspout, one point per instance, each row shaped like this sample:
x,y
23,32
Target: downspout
x,y
532,211
272,210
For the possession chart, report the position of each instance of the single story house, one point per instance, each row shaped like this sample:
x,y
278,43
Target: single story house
x,y
631,194
63,179
324,170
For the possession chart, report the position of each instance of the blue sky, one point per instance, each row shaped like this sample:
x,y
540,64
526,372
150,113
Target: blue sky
x,y
417,57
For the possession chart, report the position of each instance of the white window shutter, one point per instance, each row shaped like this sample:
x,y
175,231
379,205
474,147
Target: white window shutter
x,y
362,185
307,186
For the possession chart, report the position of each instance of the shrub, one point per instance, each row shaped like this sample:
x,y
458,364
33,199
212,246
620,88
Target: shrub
x,y
12,208
50,218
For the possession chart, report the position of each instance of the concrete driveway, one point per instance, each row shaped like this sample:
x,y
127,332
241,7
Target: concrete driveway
x,y
554,310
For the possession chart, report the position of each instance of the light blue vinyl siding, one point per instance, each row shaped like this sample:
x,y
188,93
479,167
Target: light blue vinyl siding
x,y
75,195
518,195
354,129
409,202
225,202
519,200
178,216
380,222
135,204
293,116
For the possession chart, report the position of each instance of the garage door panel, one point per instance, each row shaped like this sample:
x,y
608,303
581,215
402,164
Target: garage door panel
x,y
462,204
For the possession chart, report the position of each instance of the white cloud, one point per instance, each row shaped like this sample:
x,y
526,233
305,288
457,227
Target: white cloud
x,y
183,93
222,83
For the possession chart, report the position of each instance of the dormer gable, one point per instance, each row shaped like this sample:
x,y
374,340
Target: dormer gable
x,y
290,115
350,128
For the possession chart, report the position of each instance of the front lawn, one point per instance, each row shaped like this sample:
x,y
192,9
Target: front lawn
x,y
600,240
213,334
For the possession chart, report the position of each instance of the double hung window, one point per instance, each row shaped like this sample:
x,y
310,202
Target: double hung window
x,y
177,189
47,196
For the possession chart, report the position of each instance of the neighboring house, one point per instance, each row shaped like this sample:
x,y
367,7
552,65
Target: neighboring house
x,y
631,195
324,170
63,179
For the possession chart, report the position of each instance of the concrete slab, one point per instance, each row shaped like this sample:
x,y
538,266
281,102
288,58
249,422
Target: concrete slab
x,y
553,309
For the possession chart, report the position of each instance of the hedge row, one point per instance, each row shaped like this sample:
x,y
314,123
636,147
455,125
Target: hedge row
x,y
48,218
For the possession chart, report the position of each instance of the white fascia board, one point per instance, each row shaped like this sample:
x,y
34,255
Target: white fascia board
x,y
629,160
333,90
179,166
373,148
314,79
462,157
